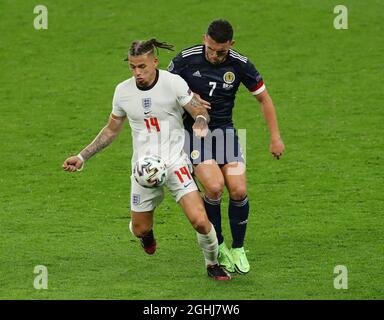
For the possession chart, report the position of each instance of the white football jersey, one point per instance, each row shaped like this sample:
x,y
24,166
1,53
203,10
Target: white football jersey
x,y
155,115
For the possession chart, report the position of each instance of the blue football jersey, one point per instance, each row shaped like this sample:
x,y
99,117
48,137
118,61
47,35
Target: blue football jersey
x,y
217,84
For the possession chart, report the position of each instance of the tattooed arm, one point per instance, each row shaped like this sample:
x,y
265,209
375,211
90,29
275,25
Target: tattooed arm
x,y
102,140
105,137
197,108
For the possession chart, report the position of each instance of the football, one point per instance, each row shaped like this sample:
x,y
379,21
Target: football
x,y
150,171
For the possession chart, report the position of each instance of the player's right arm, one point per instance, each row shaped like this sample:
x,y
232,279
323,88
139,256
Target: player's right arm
x,y
197,108
102,140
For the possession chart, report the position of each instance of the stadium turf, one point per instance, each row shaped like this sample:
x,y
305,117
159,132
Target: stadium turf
x,y
320,206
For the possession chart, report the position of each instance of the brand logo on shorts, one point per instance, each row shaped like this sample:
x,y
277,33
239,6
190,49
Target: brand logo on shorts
x,y
147,103
229,77
188,184
195,154
135,199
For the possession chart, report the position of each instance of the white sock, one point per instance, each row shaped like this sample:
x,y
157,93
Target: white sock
x,y
209,245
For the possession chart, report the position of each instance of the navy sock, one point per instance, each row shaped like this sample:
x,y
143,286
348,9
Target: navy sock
x,y
213,209
238,211
148,238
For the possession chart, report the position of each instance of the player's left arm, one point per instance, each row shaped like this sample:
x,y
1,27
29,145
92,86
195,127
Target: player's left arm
x,y
253,80
277,145
197,108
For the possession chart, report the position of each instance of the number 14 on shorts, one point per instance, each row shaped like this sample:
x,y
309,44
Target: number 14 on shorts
x,y
184,176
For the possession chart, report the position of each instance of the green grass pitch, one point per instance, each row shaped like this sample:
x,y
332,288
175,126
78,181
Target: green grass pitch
x,y
320,206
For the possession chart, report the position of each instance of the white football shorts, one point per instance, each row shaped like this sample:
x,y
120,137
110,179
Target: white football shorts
x,y
179,182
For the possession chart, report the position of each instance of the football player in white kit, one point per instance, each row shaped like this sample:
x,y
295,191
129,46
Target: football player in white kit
x,y
154,101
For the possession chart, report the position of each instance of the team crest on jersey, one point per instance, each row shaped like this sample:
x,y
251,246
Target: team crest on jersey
x,y
147,103
135,199
229,77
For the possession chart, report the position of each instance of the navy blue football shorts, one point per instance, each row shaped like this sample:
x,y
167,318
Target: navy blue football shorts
x,y
220,144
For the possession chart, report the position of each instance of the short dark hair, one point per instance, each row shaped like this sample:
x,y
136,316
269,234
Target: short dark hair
x,y
220,30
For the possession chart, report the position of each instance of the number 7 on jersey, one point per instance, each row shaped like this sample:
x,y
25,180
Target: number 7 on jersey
x,y
213,84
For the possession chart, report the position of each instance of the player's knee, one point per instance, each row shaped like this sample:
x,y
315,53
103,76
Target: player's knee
x,y
201,224
214,189
238,193
139,230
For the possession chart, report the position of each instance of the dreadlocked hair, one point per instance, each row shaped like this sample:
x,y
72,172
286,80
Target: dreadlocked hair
x,y
141,47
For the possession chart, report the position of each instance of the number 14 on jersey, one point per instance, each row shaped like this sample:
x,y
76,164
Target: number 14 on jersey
x,y
152,122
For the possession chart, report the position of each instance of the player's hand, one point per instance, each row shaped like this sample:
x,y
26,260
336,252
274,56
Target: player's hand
x,y
277,147
200,127
205,104
73,164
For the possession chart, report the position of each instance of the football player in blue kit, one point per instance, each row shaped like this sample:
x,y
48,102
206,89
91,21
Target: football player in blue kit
x,y
215,71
